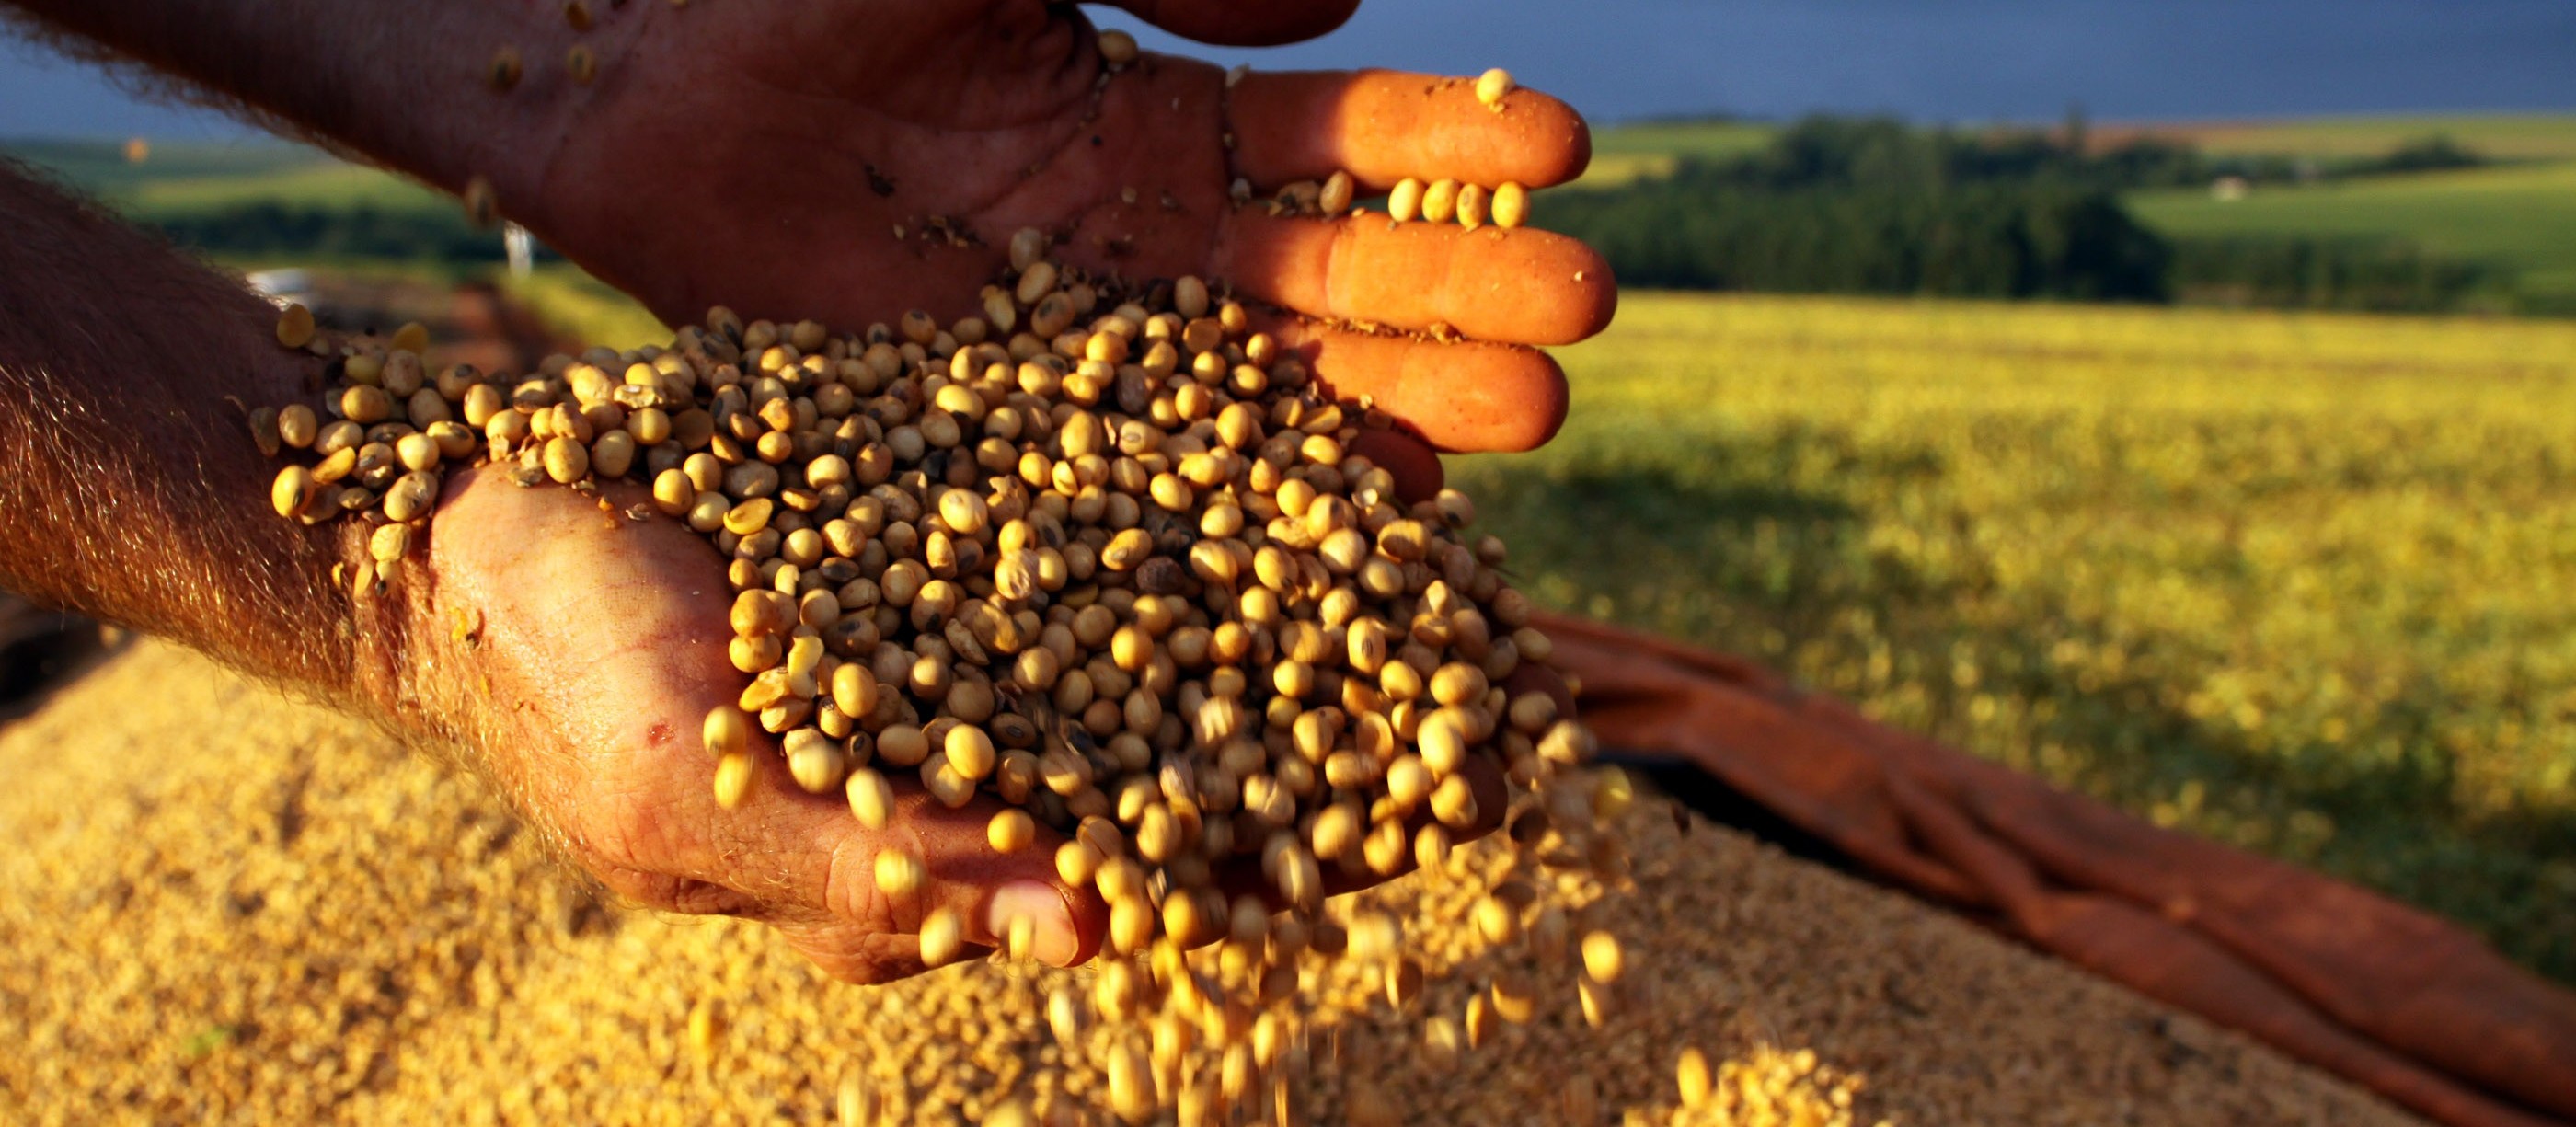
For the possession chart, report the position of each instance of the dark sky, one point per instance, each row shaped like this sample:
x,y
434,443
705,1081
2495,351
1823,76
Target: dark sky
x,y
1946,60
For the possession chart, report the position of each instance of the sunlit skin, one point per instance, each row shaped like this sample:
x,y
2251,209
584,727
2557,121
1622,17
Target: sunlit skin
x,y
724,158
983,116
605,751
763,154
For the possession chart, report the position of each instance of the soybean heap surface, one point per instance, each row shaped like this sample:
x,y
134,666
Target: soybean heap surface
x,y
2300,583
222,906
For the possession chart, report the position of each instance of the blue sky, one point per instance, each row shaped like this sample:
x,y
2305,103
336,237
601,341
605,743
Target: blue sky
x,y
1939,60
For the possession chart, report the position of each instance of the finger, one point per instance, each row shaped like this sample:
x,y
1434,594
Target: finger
x,y
1461,396
1520,286
1385,125
1416,469
1243,23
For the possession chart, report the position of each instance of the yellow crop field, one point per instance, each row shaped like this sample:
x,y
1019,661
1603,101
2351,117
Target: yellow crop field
x,y
2302,583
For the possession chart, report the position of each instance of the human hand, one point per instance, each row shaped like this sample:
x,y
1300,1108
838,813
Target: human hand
x,y
594,647
763,154
992,144
575,651
536,573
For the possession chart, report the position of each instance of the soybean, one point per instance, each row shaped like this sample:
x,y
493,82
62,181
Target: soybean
x,y
1100,554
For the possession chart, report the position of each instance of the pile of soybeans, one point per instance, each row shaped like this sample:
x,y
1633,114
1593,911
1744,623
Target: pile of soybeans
x,y
1107,555
221,906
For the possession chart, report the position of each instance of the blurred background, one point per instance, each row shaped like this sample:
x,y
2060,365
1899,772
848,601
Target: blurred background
x,y
2174,399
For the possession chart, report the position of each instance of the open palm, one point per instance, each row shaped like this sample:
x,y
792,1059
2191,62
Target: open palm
x,y
764,153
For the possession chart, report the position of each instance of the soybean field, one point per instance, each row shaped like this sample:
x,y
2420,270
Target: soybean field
x,y
2301,583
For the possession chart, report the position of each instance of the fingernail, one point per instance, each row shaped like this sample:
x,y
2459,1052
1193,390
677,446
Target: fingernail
x,y
1053,941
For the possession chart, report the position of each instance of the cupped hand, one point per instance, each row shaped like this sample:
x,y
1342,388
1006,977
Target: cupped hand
x,y
578,651
796,159
764,154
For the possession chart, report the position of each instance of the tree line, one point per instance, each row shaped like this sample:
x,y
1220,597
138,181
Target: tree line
x,y
1873,206
269,228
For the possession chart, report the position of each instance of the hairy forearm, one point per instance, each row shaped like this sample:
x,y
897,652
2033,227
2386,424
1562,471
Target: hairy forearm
x,y
406,83
132,490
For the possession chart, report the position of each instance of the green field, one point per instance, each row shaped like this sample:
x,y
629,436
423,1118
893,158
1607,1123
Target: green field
x,y
101,169
2519,216
588,309
2301,583
2509,137
2503,136
181,179
192,177
1625,152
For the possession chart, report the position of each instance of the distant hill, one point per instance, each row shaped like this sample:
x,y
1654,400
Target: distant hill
x,y
2516,215
2521,217
2519,214
1649,148
262,203
2518,136
194,177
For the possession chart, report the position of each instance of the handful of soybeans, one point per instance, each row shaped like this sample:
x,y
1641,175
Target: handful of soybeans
x,y
1102,553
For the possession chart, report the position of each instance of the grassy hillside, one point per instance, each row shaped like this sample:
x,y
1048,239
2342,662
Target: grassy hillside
x,y
2300,583
194,177
1622,153
256,204
586,308
2520,136
2519,216
180,181
101,169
